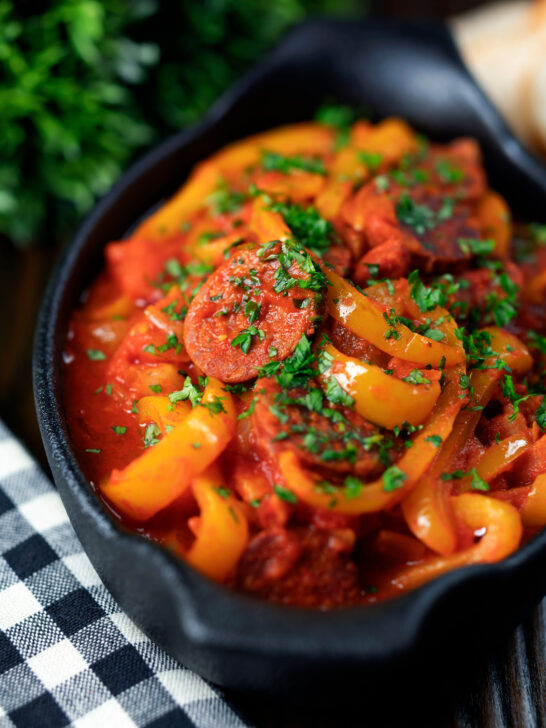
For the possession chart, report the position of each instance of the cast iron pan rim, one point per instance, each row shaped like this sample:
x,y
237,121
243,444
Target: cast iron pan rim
x,y
283,630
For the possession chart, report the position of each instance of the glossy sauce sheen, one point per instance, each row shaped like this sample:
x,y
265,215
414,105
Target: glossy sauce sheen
x,y
316,373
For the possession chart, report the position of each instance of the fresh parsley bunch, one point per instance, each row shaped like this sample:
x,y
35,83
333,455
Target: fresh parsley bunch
x,y
86,84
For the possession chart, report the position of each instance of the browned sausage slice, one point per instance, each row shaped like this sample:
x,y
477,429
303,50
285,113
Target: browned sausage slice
x,y
253,309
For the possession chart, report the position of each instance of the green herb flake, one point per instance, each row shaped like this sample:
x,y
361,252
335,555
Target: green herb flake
x,y
393,478
96,355
284,494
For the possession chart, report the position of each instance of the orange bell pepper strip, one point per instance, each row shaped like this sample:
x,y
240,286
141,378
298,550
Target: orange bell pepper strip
x,y
533,513
120,307
500,456
266,224
202,182
379,495
221,530
307,138
502,537
347,165
212,252
378,397
164,471
365,319
494,217
427,508
332,197
162,411
391,138
298,186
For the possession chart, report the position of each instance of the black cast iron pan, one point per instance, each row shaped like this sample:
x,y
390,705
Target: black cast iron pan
x,y
410,70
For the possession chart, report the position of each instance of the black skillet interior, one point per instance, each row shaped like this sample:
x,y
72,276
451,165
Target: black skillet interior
x,y
410,70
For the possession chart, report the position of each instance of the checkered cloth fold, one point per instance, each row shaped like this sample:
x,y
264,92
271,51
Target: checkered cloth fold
x,y
68,654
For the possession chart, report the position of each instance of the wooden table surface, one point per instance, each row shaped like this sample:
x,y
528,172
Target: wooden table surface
x,y
506,690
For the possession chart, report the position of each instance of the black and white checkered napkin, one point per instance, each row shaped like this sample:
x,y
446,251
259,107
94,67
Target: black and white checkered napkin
x,y
68,654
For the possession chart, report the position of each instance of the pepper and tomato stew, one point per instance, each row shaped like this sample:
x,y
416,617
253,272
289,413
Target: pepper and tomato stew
x,y
316,373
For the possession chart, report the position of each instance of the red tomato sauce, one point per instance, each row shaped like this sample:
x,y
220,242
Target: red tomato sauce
x,y
316,374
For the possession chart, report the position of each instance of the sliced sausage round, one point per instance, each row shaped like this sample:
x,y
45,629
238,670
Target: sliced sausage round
x,y
253,309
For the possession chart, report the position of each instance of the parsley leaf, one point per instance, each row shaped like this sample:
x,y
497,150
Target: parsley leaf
x,y
188,391
309,228
285,494
393,478
415,377
273,162
336,394
96,355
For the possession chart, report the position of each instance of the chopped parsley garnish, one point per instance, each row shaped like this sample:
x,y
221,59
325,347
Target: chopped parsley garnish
x,y
372,160
224,200
421,217
96,355
188,391
309,228
415,377
252,311
476,481
119,429
336,394
249,410
285,494
292,252
393,478
222,491
151,435
95,450
427,299
273,162
340,118
509,391
448,172
541,415
245,337
352,487
474,246
297,368
156,388
214,407
503,310
435,440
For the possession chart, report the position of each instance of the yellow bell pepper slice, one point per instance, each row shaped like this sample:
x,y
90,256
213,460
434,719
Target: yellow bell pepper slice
x,y
498,457
164,471
426,508
221,533
266,224
502,537
162,411
533,513
378,397
392,139
332,197
494,216
168,220
306,138
365,318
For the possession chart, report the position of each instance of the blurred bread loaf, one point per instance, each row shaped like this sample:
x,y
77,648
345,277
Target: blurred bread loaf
x,y
504,45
